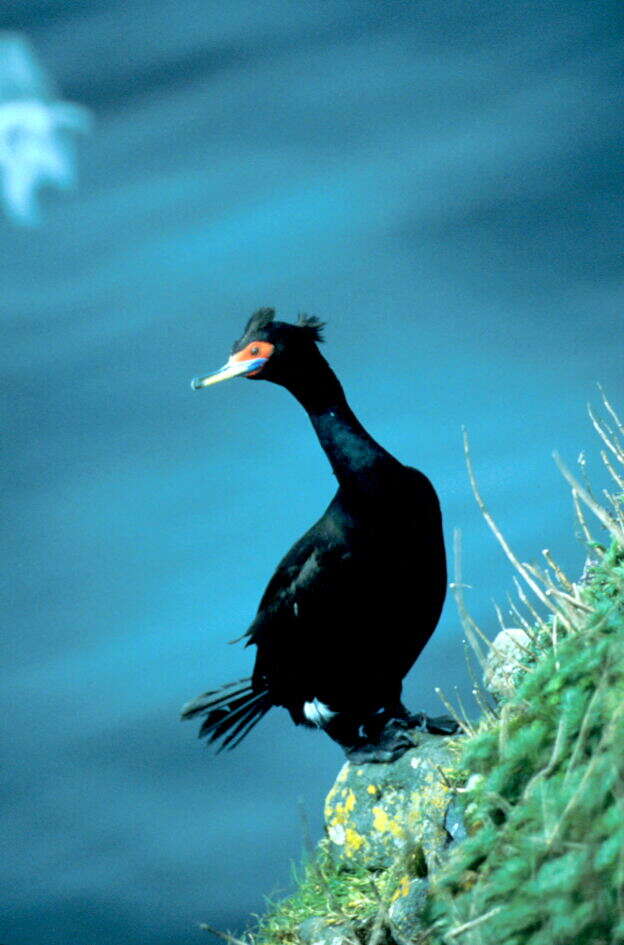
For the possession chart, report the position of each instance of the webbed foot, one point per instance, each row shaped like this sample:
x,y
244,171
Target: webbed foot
x,y
388,745
386,735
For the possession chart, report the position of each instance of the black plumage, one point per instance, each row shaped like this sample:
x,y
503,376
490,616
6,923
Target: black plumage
x,y
355,600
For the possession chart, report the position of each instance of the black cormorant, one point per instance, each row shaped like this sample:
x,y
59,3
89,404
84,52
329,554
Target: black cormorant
x,y
354,601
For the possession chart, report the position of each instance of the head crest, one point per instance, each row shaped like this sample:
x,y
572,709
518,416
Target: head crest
x,y
313,325
259,319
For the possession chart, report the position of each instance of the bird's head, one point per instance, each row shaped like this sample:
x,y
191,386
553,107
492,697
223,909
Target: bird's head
x,y
270,350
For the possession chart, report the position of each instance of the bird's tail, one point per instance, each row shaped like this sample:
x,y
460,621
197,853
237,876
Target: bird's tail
x,y
231,711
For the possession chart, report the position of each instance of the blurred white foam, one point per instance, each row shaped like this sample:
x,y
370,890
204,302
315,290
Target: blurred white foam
x,y
36,131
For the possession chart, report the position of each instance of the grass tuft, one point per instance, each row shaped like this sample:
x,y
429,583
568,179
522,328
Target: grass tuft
x,y
326,890
544,803
542,772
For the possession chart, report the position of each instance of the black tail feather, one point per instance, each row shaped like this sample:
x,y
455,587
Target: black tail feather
x,y
222,719
251,724
215,697
224,712
246,722
230,712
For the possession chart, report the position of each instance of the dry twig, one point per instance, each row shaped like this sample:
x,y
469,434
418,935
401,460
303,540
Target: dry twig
x,y
500,537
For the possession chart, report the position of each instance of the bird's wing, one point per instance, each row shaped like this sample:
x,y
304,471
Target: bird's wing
x,y
293,628
306,578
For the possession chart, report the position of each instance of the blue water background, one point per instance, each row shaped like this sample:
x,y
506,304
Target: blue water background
x,y
441,182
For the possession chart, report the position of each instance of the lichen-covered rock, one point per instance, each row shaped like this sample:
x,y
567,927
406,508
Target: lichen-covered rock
x,y
318,931
376,811
406,908
454,821
501,666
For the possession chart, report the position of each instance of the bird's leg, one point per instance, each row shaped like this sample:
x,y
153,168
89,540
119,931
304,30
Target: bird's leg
x,y
344,730
388,733
380,738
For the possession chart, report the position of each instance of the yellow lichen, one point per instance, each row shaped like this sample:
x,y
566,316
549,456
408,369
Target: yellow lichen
x,y
402,889
353,841
336,813
350,801
372,789
383,823
344,771
380,819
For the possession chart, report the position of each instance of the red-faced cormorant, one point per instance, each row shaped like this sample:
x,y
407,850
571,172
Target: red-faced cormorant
x,y
353,603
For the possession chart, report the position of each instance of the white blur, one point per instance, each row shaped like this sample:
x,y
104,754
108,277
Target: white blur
x,y
36,132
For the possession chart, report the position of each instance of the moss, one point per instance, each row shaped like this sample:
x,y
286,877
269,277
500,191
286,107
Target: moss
x,y
545,861
544,805
325,888
542,785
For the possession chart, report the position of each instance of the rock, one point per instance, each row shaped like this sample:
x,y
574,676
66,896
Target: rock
x,y
501,664
376,811
404,913
454,821
317,931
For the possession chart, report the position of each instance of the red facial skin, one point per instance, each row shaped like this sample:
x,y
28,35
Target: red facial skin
x,y
255,349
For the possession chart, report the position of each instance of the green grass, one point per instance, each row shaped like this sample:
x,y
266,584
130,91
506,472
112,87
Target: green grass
x,y
543,774
544,862
326,890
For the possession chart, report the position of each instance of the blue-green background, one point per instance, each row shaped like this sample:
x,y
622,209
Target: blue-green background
x,y
441,182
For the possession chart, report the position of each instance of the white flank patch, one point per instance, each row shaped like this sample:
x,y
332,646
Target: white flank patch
x,y
318,713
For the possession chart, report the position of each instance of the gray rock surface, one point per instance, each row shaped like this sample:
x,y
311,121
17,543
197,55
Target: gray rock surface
x,y
317,931
454,820
501,665
405,911
377,812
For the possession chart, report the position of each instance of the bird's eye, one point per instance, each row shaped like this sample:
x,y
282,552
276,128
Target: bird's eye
x,y
255,349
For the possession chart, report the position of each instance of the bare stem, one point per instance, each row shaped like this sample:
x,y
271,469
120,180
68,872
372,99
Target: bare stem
x,y
471,629
223,935
604,435
581,519
602,516
464,724
561,576
499,536
460,929
619,481
611,410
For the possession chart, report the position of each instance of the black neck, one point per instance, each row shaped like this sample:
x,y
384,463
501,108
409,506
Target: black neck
x,y
354,455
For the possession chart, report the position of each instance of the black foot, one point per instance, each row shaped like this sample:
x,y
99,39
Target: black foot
x,y
386,735
388,746
381,739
